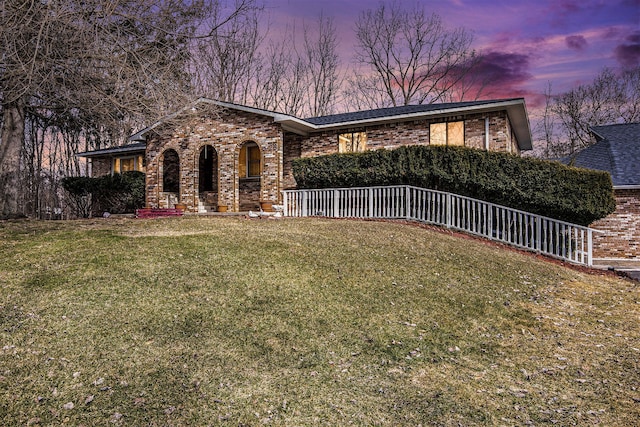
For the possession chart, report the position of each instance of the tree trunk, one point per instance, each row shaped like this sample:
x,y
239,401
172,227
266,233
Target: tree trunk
x,y
10,146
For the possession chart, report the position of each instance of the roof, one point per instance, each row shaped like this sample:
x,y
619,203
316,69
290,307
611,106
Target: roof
x,y
392,112
138,147
617,151
515,109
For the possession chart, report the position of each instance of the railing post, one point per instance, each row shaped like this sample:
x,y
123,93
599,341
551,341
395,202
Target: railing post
x,y
303,203
407,202
538,245
285,211
336,203
449,208
370,197
589,247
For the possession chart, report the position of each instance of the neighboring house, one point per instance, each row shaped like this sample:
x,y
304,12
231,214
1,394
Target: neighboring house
x,y
616,150
214,154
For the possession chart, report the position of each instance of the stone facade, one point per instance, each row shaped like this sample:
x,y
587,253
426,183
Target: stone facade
x,y
394,135
621,230
226,131
416,132
101,166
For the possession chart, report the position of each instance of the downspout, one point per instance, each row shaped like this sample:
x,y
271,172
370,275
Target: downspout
x,y
486,133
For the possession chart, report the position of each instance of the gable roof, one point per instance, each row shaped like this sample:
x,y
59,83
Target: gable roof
x,y
617,151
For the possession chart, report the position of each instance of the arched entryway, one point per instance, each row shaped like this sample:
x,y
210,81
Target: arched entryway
x,y
208,178
249,173
171,177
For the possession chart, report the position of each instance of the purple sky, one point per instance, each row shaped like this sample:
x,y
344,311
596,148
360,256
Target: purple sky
x,y
527,44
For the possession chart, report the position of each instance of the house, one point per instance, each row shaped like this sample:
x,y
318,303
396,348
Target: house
x,y
217,155
616,149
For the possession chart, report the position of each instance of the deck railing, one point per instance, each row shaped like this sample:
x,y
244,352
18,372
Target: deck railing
x,y
558,239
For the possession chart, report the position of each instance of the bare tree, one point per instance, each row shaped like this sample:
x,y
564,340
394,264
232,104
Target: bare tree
x,y
610,98
270,89
547,127
300,80
408,57
103,64
322,62
224,65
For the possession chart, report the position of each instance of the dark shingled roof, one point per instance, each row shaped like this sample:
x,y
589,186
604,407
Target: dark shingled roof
x,y
392,112
616,151
131,148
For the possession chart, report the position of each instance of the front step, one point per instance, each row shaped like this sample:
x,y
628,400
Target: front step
x,y
204,208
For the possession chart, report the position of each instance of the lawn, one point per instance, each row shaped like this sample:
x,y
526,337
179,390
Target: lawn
x,y
294,322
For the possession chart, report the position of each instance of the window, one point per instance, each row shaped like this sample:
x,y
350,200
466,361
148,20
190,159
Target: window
x,y
352,142
128,164
451,133
250,159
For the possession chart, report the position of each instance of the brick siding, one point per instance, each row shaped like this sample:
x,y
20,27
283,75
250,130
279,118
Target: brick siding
x,y
101,166
394,135
621,230
226,130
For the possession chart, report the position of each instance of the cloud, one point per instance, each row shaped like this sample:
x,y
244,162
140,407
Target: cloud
x,y
500,74
501,68
578,43
628,54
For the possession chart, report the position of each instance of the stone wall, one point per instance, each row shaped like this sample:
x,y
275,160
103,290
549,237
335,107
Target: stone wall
x,y
226,131
621,237
249,194
101,166
416,132
394,135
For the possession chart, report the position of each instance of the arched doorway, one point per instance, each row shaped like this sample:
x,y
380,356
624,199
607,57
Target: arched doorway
x,y
171,177
249,172
208,178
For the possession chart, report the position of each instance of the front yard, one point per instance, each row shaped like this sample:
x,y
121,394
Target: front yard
x,y
227,321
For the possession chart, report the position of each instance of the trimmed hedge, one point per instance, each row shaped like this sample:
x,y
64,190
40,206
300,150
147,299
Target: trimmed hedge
x,y
117,193
579,196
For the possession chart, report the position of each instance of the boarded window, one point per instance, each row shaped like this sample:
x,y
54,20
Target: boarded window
x,y
249,161
455,133
128,164
438,134
352,142
451,133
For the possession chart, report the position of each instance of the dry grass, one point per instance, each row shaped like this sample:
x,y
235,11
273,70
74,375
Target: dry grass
x,y
223,321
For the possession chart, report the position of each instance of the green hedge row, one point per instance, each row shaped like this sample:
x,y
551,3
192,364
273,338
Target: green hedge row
x,y
117,193
579,196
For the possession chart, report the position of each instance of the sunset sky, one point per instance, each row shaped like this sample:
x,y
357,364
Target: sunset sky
x,y
527,44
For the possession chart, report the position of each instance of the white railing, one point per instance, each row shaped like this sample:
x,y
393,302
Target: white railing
x,y
558,239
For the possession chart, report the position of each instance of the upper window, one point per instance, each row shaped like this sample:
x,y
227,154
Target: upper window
x,y
352,142
249,161
450,133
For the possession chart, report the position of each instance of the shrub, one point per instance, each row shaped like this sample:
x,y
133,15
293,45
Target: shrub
x,y
543,187
118,193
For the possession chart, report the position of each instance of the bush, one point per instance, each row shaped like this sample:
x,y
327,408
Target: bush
x,y
543,187
118,193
